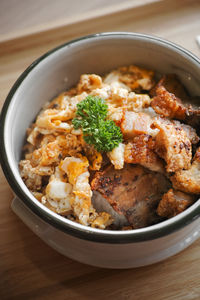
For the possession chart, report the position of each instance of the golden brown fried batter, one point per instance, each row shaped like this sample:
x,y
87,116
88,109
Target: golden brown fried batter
x,y
170,99
172,85
168,105
173,203
141,151
190,131
173,145
188,181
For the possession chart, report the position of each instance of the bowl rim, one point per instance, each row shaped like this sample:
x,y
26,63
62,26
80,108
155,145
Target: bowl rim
x,y
80,231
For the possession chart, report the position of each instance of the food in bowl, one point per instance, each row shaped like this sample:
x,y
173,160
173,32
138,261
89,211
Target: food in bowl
x,y
57,71
116,152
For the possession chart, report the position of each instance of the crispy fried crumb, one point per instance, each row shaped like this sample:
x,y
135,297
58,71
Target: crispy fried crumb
x,y
168,105
173,85
188,181
173,145
141,151
173,203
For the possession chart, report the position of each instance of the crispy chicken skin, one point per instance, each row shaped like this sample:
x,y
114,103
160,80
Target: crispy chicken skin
x,y
188,181
173,203
132,191
168,105
172,85
190,131
134,124
141,151
170,99
193,117
173,145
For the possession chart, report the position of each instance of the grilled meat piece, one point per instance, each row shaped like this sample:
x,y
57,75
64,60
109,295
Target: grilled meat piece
x,y
101,204
140,150
132,192
173,203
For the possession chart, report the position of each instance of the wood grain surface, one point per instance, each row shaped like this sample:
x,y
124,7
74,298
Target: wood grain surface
x,y
29,269
23,17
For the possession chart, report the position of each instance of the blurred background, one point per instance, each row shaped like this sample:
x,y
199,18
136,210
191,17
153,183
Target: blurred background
x,y
22,17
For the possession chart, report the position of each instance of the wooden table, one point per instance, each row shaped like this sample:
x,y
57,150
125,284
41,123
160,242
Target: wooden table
x,y
29,269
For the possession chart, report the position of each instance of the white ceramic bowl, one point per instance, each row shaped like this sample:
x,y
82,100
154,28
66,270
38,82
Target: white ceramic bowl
x,y
56,71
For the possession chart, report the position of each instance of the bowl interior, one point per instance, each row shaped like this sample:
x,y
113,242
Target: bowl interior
x,y
61,68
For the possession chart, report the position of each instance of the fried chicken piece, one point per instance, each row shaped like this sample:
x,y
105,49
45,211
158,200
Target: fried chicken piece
x,y
172,85
188,181
190,131
173,145
168,105
133,192
173,203
141,151
193,115
136,123
170,99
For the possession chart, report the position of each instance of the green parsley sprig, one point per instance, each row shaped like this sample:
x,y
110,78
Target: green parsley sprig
x,y
91,115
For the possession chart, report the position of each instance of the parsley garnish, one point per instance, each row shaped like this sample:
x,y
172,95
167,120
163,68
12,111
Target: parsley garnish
x,y
91,115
